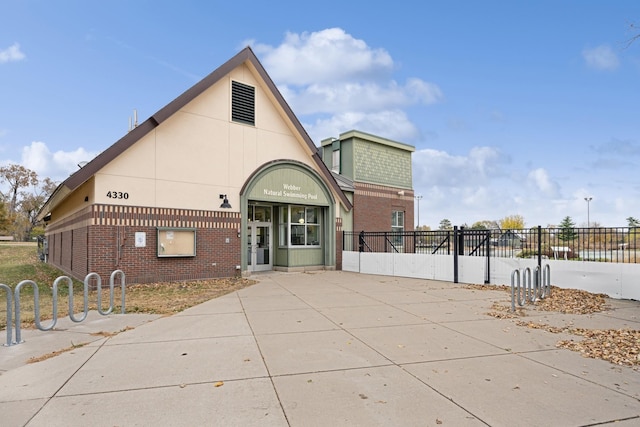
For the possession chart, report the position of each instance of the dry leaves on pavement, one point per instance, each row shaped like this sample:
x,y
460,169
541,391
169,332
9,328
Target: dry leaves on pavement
x,y
618,346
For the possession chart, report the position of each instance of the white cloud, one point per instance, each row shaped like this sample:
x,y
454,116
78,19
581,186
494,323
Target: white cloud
x,y
57,166
325,56
361,96
439,168
11,54
539,180
601,58
393,124
329,75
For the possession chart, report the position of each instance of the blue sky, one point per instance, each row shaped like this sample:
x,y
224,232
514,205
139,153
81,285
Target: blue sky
x,y
514,107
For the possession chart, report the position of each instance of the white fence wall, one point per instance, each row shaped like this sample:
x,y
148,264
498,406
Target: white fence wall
x,y
616,280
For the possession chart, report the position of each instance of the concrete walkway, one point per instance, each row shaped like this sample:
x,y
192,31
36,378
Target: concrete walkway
x,y
325,349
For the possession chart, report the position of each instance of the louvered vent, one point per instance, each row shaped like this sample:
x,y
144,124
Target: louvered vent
x,y
243,103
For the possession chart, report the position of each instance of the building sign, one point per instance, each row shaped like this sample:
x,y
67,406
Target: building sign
x,y
291,191
141,239
289,185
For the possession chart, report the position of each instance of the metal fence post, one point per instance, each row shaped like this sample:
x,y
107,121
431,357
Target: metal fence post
x,y
540,246
487,279
455,254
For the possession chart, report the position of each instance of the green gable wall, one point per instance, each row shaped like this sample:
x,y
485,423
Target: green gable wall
x,y
381,164
371,159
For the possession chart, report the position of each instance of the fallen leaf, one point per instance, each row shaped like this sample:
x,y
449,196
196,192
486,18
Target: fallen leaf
x,y
218,384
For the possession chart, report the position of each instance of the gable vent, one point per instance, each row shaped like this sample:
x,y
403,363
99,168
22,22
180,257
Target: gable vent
x,y
243,103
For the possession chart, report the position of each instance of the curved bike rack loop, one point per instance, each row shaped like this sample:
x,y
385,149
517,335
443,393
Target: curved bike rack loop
x,y
9,314
532,287
14,318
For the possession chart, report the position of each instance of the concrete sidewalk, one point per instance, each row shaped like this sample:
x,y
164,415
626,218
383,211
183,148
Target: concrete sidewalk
x,y
328,348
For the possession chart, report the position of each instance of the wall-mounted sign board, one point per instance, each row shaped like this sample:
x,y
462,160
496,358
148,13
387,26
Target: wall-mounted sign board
x,y
176,242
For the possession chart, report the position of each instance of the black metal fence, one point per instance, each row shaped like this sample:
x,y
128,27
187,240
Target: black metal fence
x,y
603,244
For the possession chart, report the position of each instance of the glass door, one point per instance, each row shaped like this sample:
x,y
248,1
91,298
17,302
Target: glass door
x,y
260,251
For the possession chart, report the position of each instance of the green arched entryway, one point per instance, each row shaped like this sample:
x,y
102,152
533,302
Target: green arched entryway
x,y
288,219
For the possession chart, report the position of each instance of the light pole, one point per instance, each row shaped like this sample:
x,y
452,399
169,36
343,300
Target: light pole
x,y
418,199
588,199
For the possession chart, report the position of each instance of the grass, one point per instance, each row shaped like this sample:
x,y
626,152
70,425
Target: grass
x,y
20,262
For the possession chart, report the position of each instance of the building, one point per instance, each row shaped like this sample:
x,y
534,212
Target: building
x,y
376,175
222,181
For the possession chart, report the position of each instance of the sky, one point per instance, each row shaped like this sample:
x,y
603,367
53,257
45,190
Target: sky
x,y
514,107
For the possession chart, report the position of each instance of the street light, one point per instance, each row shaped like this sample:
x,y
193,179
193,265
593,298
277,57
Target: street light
x,y
588,199
418,199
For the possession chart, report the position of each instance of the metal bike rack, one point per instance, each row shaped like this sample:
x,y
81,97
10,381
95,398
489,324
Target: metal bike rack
x,y
9,304
72,316
535,286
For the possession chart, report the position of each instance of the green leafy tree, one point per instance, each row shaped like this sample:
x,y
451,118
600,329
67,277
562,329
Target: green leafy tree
x,y
633,222
445,224
567,230
485,225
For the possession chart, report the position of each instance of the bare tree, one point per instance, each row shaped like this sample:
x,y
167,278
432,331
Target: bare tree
x,y
31,202
24,198
18,177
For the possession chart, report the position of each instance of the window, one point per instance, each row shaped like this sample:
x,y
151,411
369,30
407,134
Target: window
x,y
299,226
259,213
397,226
335,161
397,221
243,103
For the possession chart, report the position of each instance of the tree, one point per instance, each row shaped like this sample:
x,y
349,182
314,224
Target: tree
x,y
4,219
567,229
18,177
445,224
633,222
512,222
26,195
485,225
31,202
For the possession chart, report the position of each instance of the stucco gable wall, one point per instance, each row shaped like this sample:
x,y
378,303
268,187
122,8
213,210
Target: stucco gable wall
x,y
75,201
198,153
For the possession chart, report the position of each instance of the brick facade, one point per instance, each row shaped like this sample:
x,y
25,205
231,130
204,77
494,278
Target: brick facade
x,y
373,205
101,239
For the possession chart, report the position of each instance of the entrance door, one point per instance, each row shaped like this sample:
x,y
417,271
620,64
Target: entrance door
x,y
260,253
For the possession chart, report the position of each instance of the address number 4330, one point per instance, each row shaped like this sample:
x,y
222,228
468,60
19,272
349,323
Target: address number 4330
x,y
117,195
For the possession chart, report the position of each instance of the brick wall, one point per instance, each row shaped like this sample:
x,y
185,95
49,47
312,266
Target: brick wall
x,y
79,260
101,239
114,248
373,204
